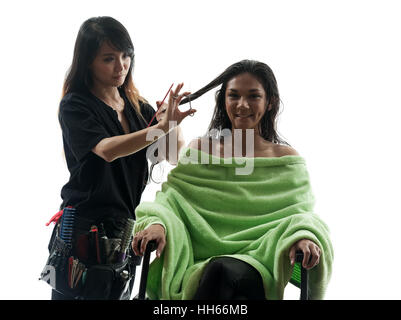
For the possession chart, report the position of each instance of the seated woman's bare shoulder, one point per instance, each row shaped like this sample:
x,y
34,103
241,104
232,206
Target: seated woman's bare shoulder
x,y
196,144
284,150
206,144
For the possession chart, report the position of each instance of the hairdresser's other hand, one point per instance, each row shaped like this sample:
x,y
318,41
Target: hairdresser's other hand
x,y
311,253
153,232
173,116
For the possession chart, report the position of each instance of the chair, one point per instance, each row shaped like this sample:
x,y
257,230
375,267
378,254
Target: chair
x,y
299,279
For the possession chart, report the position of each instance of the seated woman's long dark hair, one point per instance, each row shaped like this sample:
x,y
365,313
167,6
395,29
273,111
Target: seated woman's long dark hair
x,y
220,119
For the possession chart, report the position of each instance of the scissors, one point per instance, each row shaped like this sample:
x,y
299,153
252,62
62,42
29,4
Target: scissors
x,y
158,108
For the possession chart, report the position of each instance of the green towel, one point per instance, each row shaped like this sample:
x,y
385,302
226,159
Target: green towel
x,y
210,210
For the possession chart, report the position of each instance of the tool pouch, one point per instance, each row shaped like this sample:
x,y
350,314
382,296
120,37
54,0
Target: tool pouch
x,y
111,281
108,282
55,272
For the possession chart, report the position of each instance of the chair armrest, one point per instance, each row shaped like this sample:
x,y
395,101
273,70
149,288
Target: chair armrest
x,y
151,246
299,257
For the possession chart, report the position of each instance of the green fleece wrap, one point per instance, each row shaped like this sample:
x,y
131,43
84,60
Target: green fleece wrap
x,y
209,210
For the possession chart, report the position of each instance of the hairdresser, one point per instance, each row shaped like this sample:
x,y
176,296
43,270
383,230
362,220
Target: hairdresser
x,y
107,128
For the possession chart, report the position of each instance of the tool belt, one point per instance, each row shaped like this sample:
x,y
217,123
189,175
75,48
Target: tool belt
x,y
84,264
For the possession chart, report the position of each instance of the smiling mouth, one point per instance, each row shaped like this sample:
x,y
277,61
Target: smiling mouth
x,y
243,116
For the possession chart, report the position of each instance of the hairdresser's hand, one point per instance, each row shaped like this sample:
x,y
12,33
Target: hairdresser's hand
x,y
161,110
311,253
153,232
172,115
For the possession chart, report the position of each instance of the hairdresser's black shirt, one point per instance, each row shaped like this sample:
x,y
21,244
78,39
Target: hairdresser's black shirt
x,y
101,190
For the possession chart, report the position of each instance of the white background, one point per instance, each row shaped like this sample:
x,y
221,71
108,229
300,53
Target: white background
x,y
338,69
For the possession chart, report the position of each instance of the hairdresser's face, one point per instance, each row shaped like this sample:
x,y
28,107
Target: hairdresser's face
x,y
110,67
245,101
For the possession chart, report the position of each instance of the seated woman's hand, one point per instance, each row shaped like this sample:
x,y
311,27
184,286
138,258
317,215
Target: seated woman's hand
x,y
311,253
153,232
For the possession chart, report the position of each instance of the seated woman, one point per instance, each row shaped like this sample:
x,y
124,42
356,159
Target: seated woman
x,y
227,234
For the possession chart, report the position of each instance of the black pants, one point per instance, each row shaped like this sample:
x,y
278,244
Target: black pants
x,y
59,296
228,278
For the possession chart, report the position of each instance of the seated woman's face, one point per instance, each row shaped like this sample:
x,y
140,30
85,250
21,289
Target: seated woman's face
x,y
245,101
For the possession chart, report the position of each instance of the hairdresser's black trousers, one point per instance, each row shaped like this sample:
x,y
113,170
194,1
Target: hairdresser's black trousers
x,y
227,278
126,296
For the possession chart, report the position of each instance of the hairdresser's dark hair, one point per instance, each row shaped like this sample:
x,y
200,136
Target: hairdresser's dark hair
x,y
91,35
220,119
